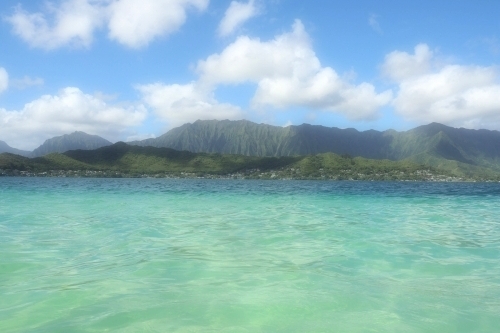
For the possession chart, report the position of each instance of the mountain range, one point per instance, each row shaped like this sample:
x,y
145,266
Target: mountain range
x,y
459,150
60,144
123,160
5,148
434,144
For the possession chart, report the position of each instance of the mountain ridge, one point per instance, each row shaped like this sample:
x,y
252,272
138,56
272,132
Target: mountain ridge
x,y
75,140
60,144
473,147
5,148
122,160
66,142
433,144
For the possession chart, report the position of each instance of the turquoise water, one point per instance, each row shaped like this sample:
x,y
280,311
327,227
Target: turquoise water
x,y
145,255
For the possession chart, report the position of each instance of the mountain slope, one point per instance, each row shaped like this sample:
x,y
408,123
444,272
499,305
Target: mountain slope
x,y
121,156
75,140
251,139
479,148
121,159
5,148
461,151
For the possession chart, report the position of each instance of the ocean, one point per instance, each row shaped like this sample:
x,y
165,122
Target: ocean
x,y
195,255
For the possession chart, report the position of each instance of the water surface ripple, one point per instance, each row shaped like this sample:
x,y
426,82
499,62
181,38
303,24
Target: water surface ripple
x,y
146,255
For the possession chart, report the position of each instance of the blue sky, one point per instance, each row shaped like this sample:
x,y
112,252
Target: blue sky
x,y
133,69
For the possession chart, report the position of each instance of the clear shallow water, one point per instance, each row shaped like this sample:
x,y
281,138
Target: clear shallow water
x,y
144,255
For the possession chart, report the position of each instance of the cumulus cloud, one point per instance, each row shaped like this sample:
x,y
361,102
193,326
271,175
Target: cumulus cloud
x,y
70,110
178,104
236,14
285,72
288,73
4,79
456,95
72,23
251,60
399,65
134,23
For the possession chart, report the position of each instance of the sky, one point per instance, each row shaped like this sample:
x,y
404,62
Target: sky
x,y
133,69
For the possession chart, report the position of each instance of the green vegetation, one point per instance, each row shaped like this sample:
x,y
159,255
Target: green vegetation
x,y
230,147
122,160
463,152
243,149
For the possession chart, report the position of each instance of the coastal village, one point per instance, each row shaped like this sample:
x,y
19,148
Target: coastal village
x,y
280,174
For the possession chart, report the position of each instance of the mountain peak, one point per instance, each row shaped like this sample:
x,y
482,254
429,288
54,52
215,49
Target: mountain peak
x,y
5,148
247,138
73,141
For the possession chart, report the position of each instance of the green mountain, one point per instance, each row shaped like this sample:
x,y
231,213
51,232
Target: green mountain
x,y
121,159
459,152
124,158
5,148
127,158
251,139
75,140
465,150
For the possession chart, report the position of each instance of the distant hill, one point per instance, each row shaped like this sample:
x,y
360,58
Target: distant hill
x,y
434,144
5,148
75,140
251,139
460,151
121,159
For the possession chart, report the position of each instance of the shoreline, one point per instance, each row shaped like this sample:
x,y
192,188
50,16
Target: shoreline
x,y
424,176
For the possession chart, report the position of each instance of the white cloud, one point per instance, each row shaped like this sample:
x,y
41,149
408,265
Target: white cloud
x,y
325,90
140,137
72,23
251,60
4,79
178,104
69,111
401,65
456,95
288,73
134,23
236,14
285,71
27,82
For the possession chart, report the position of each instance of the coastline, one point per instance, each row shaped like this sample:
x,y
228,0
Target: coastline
x,y
253,174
